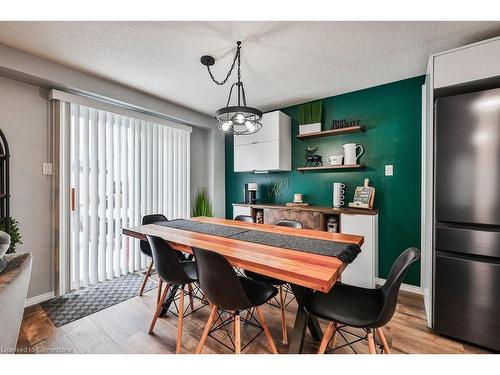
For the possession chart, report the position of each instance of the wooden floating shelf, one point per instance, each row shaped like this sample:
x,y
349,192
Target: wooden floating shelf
x,y
327,133
332,167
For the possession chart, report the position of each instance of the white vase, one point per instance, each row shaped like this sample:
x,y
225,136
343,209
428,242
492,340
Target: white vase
x,y
350,155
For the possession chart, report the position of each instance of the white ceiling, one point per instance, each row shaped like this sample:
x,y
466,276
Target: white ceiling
x,y
283,63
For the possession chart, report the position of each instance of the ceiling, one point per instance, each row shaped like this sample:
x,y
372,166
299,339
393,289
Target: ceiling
x,y
283,63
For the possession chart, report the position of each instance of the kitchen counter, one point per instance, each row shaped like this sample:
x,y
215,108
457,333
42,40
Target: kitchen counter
x,y
323,210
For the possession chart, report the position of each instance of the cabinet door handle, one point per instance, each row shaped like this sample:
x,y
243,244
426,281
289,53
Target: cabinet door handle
x,y
73,199
254,143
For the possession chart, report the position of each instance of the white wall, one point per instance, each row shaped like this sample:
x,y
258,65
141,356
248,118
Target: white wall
x,y
24,121
24,118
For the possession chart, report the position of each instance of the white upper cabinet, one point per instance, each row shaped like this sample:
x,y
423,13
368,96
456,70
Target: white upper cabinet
x,y
467,64
267,150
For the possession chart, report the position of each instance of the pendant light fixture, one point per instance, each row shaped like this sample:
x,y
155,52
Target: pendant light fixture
x,y
236,119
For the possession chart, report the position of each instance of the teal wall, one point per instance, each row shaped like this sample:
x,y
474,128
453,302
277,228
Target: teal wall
x,y
392,116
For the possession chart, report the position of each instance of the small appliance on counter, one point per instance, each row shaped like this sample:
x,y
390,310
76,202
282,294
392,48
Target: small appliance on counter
x,y
250,192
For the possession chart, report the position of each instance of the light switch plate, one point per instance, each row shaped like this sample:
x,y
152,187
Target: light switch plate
x,y
389,170
47,168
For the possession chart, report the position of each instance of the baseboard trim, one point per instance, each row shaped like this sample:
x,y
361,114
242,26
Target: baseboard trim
x,y
405,287
38,299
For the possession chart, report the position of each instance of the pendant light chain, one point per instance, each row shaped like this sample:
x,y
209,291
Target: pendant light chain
x,y
236,57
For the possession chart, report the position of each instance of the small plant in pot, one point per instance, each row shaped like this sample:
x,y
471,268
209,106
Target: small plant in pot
x,y
10,226
310,115
201,204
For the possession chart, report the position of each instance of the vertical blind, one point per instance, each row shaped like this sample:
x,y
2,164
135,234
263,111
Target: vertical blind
x,y
121,168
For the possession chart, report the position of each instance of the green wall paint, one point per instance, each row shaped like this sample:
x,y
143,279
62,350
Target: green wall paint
x,y
392,116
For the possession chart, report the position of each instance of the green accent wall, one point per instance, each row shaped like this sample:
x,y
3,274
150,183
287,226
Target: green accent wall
x,y
391,114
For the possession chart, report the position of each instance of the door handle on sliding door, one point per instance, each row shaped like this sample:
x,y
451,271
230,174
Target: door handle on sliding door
x,y
73,199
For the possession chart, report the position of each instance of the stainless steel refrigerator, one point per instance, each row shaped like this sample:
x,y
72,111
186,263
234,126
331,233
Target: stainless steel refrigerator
x,y
467,218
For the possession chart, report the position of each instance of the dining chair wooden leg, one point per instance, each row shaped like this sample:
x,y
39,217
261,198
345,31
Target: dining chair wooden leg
x,y
237,333
371,343
333,341
190,292
381,335
146,276
179,322
158,294
207,329
158,308
283,317
326,337
266,331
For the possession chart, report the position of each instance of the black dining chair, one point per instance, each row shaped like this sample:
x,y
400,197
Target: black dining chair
x,y
173,272
279,283
368,309
244,218
146,250
229,292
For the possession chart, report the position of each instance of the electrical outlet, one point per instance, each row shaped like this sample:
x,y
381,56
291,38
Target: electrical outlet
x,y
389,170
47,168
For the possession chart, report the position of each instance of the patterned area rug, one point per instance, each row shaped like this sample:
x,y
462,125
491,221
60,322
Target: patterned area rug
x,y
78,304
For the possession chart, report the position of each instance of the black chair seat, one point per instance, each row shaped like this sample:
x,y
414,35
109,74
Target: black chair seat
x,y
189,268
347,304
264,279
257,292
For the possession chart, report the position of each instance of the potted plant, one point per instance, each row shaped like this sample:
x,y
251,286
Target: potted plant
x,y
13,231
310,117
201,204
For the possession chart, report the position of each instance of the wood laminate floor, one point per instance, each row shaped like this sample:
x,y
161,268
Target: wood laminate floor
x,y
123,329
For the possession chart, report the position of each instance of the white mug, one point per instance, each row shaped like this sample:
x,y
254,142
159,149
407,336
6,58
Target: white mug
x,y
350,156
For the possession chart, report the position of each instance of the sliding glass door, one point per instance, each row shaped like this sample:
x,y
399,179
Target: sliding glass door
x,y
120,169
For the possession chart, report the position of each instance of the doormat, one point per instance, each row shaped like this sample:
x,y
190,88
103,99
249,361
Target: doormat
x,y
78,304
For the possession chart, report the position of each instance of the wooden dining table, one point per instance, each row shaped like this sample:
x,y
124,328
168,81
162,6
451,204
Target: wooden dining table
x,y
306,272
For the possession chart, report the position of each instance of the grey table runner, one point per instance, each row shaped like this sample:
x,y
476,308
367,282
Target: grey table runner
x,y
344,251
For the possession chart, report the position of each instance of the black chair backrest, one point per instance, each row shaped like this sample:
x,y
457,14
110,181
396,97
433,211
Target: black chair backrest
x,y
245,218
219,282
150,219
167,264
390,289
289,223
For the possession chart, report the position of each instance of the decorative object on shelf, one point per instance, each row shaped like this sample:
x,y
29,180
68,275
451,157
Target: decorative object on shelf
x,y
235,119
310,117
338,194
350,155
335,159
297,198
363,196
344,123
259,217
250,193
10,227
313,160
201,204
275,189
332,224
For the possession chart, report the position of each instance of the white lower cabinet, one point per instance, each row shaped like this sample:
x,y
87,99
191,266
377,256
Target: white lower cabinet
x,y
242,210
363,271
